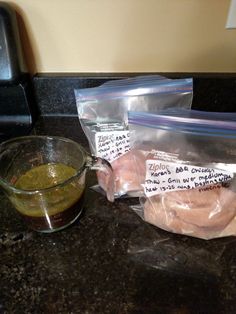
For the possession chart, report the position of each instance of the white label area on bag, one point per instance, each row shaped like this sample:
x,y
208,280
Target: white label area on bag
x,y
113,144
163,176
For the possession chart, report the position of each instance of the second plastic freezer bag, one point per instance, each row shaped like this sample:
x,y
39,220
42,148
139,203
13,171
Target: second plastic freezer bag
x,y
187,171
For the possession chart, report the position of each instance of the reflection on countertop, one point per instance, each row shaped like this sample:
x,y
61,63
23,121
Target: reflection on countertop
x,y
110,261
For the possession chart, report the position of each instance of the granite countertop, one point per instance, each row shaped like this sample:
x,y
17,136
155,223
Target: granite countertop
x,y
110,261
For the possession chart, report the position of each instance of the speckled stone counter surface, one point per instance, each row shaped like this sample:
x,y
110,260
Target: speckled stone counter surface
x,y
110,261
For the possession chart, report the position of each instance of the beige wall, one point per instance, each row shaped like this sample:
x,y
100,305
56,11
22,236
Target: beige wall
x,y
129,35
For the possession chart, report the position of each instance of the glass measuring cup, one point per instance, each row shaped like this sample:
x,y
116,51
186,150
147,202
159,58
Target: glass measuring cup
x,y
44,178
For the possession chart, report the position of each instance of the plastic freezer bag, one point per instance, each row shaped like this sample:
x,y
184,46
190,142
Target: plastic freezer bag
x,y
188,173
103,113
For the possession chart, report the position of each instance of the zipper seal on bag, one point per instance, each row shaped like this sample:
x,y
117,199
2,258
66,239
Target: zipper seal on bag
x,y
139,89
180,124
198,114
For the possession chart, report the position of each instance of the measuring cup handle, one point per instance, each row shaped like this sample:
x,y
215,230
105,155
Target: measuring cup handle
x,y
97,163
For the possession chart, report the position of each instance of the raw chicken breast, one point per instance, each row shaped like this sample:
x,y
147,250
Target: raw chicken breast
x,y
129,173
204,214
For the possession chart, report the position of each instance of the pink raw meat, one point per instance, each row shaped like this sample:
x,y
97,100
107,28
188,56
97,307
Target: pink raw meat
x,y
202,214
129,173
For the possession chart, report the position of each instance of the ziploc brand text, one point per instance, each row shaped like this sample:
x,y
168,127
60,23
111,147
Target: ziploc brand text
x,y
111,145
